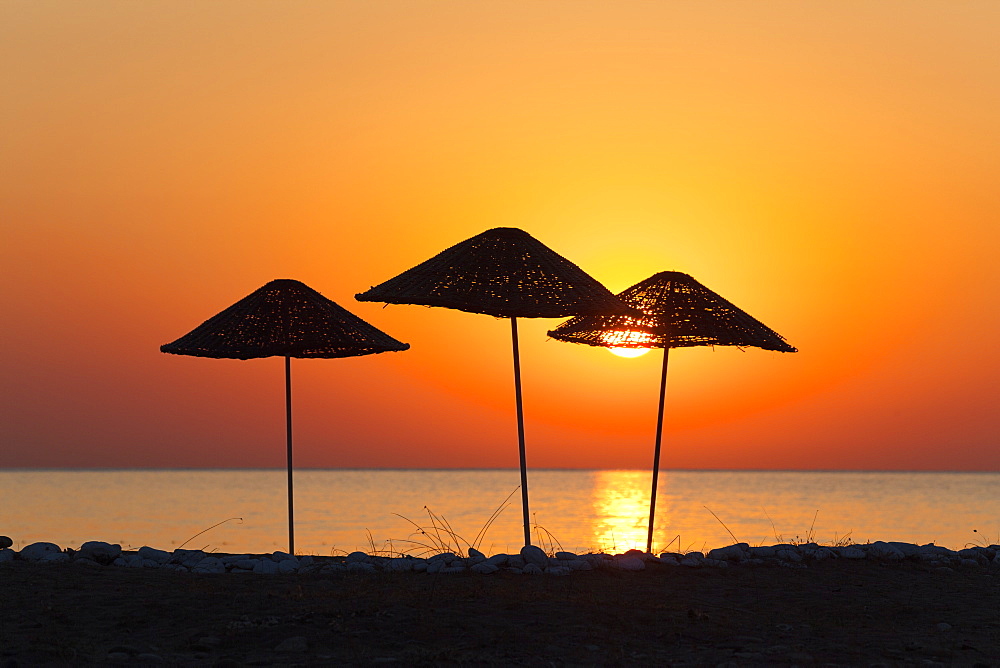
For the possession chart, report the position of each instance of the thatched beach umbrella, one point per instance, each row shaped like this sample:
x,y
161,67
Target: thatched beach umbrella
x,y
506,273
285,318
678,312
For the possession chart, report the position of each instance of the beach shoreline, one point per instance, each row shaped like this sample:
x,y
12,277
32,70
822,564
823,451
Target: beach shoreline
x,y
833,611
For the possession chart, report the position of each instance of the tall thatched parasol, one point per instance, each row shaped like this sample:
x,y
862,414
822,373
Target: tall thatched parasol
x,y
506,273
678,312
285,318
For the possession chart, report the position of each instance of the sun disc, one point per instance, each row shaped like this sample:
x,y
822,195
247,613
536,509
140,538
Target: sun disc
x,y
629,352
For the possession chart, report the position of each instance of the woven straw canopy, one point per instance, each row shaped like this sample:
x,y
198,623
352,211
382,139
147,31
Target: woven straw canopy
x,y
503,272
284,318
678,312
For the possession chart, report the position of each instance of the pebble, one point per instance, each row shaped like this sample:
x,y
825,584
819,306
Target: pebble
x,y
38,551
484,568
100,551
631,564
532,554
531,559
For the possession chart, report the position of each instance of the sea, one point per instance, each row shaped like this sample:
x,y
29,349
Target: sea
x,y
417,511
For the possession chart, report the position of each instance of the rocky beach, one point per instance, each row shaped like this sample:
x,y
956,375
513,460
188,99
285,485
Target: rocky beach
x,y
878,603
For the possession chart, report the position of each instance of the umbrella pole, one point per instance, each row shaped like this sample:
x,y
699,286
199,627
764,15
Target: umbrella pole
x,y
656,450
288,435
520,431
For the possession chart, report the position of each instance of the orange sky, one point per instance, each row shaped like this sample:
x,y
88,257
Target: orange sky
x,y
830,167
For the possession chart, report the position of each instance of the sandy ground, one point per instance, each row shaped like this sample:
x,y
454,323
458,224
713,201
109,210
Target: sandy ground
x,y
831,613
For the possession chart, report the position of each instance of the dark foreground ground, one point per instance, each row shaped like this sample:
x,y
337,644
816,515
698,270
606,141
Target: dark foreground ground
x,y
832,613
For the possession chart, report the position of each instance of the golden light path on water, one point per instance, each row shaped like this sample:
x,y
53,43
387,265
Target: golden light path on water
x,y
339,511
621,509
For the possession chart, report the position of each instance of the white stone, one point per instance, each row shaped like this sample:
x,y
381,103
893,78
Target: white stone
x,y
399,565
936,550
100,551
823,553
484,568
6,555
266,567
531,569
357,557
209,565
735,552
788,555
630,563
558,570
454,569
161,556
566,556
692,560
86,561
37,551
54,558
762,551
669,559
498,560
420,566
885,550
577,564
187,558
908,549
851,552
533,554
475,556
436,566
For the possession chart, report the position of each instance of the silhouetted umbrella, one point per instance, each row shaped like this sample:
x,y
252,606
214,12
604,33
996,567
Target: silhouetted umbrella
x,y
678,312
506,273
285,318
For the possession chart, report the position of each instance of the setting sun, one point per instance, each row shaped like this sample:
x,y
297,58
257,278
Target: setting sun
x,y
629,352
623,343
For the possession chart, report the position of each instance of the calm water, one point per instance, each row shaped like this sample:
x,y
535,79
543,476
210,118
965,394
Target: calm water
x,y
337,510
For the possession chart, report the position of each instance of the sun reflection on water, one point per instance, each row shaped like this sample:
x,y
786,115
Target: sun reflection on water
x,y
621,510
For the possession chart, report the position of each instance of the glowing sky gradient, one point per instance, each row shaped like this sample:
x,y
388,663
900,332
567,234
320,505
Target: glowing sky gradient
x,y
829,167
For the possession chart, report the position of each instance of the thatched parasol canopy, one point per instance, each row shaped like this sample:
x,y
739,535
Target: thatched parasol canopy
x,y
285,318
678,312
503,272
507,273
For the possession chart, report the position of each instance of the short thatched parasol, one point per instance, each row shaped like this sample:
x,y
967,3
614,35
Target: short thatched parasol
x,y
285,318
678,312
506,273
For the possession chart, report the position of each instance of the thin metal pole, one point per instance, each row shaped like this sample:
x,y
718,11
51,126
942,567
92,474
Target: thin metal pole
x,y
656,450
520,431
288,428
